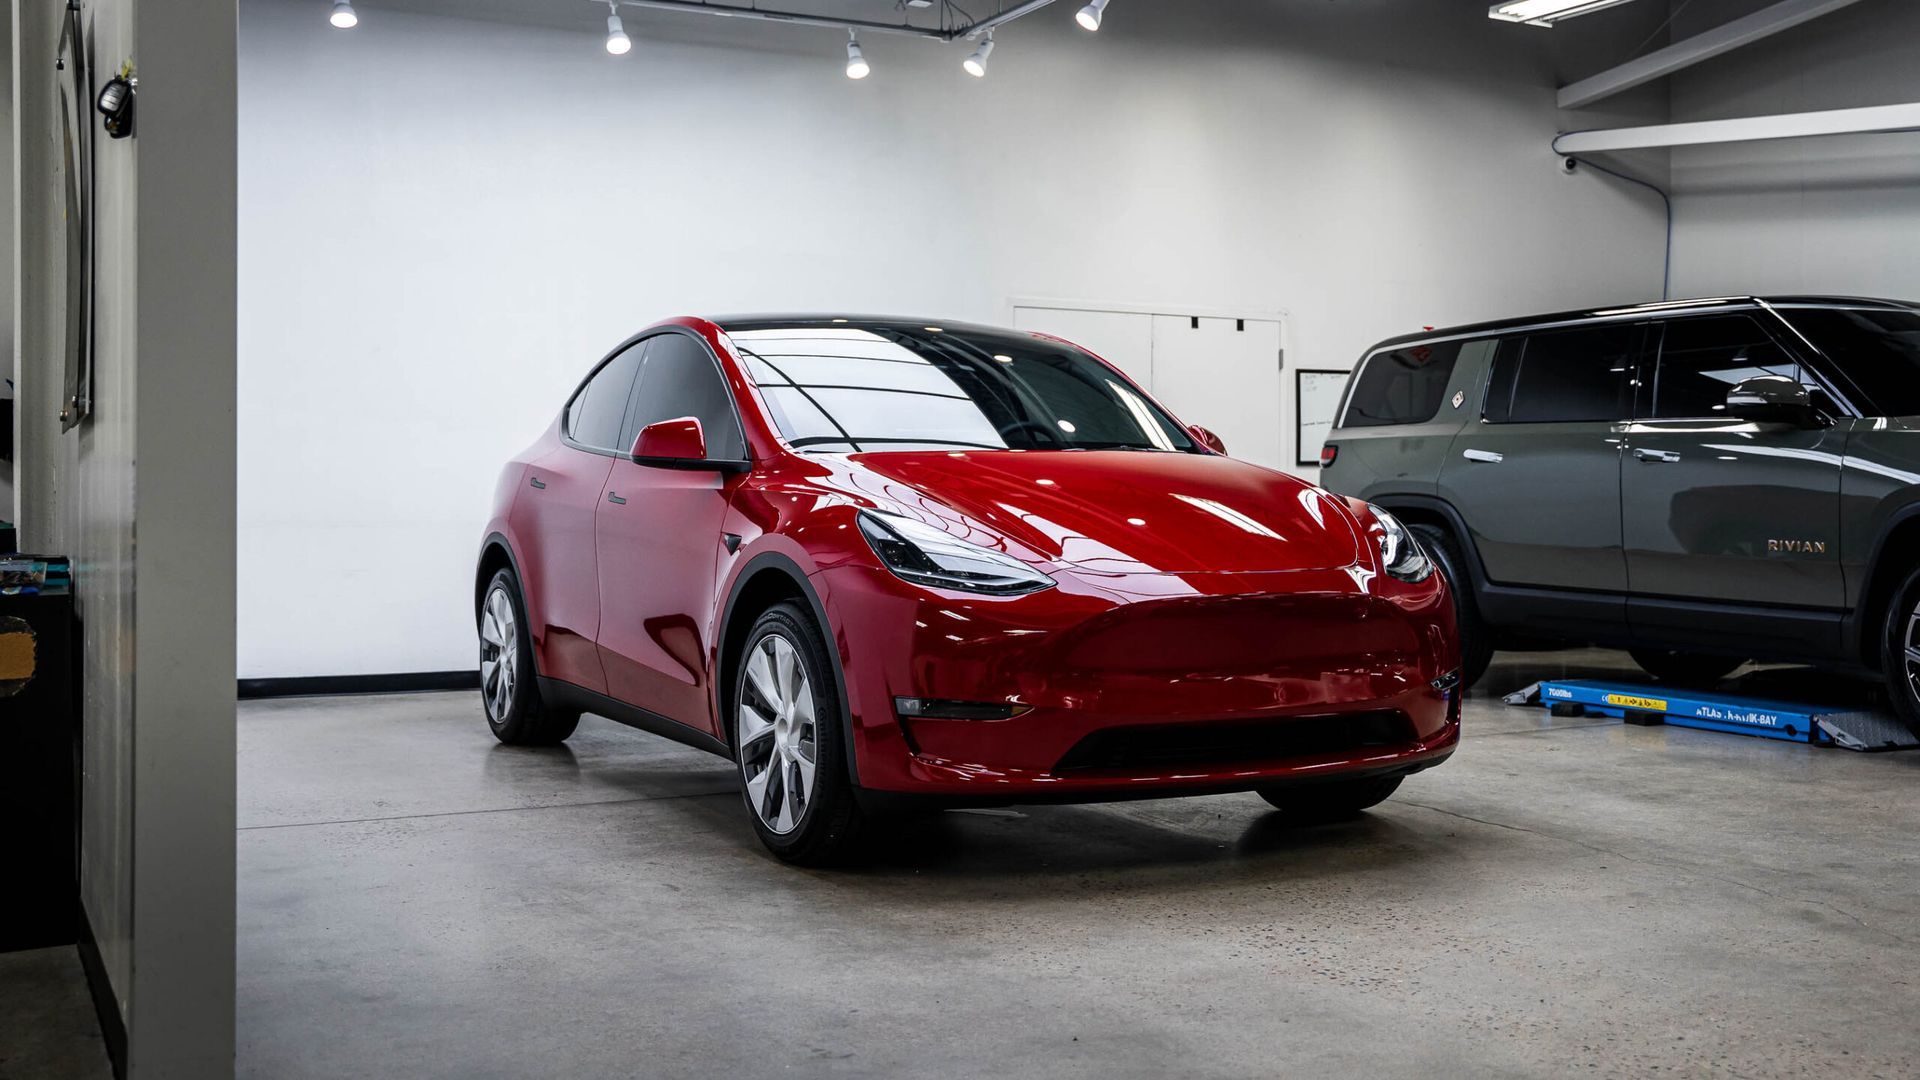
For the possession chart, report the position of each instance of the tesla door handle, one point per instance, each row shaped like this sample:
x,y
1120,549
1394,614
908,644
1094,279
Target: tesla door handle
x,y
615,499
1667,456
1485,456
536,482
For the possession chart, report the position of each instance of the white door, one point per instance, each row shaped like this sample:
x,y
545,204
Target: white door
x,y
1221,373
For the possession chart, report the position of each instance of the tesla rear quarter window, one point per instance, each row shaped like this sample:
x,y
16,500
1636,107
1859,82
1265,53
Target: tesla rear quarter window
x,y
1404,386
1878,350
1562,376
849,390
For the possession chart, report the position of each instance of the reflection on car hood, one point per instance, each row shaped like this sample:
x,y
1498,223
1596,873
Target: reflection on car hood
x,y
1119,512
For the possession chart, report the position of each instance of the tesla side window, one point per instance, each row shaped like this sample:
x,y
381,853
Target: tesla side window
x,y
837,390
1562,376
1404,386
1701,359
594,415
1878,350
680,379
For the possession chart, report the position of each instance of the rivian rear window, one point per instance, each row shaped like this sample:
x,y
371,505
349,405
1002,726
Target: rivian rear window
x,y
1404,386
1878,350
1562,376
842,389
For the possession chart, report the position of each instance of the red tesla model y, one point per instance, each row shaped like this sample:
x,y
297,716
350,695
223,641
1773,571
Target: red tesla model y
x,y
877,561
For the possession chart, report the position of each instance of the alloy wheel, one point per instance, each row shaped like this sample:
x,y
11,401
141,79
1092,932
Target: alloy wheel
x,y
777,736
499,654
1910,646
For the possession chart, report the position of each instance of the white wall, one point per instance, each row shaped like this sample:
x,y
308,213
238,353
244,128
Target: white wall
x,y
445,221
141,497
1829,215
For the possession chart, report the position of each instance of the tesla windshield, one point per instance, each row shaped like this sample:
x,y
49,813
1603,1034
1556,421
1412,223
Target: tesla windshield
x,y
847,389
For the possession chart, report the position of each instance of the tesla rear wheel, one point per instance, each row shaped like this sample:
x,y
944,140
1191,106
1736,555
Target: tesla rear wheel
x,y
1476,641
508,690
1336,800
1687,669
1900,652
788,738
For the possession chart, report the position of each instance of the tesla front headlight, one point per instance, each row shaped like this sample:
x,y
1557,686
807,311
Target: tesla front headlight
x,y
924,555
1400,554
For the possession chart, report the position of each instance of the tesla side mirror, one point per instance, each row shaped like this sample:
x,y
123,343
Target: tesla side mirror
x,y
1206,438
672,444
1774,399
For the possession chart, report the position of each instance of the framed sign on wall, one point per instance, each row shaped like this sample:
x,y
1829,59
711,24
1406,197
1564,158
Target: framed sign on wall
x,y
1318,393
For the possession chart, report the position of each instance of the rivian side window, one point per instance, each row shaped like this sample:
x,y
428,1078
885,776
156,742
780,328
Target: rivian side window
x,y
1878,350
593,418
1703,358
681,379
1563,376
1404,386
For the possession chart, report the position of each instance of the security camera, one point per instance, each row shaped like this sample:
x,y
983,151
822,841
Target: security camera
x,y
1570,164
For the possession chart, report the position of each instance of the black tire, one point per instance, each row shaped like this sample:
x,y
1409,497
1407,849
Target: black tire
x,y
1335,800
825,825
1684,669
1476,640
516,713
1900,633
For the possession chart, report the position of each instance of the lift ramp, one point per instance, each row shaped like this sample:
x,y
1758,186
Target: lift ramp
x,y
1787,721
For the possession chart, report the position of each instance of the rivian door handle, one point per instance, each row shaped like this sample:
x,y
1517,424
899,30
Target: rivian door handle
x,y
615,499
536,482
1487,457
1667,456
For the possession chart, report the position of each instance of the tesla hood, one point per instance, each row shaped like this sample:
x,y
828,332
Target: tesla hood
x,y
1129,512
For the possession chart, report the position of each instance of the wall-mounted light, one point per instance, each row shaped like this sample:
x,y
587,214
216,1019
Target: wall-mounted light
x,y
1089,16
976,64
857,66
343,17
618,43
1546,12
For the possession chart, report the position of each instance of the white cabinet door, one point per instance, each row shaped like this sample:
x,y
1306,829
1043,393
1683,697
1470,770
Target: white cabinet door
x,y
1124,339
1224,374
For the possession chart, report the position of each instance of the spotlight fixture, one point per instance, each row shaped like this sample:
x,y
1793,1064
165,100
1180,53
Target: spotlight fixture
x,y
976,64
343,17
1546,12
1089,16
857,66
618,43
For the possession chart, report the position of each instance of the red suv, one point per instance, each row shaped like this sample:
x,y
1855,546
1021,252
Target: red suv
x,y
875,559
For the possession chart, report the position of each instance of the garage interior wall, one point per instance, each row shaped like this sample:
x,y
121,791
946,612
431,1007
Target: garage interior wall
x,y
140,496
1824,215
446,220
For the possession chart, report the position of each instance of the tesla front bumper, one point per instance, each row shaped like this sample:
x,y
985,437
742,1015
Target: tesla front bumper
x,y
1130,685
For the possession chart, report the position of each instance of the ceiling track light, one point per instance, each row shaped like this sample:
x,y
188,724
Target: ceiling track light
x,y
976,65
343,17
1546,12
618,43
857,66
1089,16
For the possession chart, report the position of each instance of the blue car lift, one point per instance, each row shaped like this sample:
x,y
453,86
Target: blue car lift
x,y
1799,722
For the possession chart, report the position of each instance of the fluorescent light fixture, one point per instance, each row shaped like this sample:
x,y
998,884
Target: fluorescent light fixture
x,y
1089,16
1546,12
618,43
976,64
857,66
343,17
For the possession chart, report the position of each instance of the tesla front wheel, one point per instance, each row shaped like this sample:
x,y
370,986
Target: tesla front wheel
x,y
788,737
1900,652
1334,800
514,707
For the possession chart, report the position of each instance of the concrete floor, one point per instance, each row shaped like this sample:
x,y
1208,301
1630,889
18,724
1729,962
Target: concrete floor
x,y
48,1030
1564,895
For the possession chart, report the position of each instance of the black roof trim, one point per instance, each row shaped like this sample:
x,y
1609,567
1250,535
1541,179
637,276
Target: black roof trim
x,y
1627,311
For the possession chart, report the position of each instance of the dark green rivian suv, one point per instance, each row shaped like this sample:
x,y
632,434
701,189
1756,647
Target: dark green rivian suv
x,y
1701,482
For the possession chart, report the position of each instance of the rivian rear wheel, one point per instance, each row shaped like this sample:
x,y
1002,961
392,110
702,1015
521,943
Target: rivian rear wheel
x,y
1900,652
1686,669
788,737
1476,641
1335,800
515,710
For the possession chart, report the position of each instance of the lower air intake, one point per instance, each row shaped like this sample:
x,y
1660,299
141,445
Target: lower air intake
x,y
1236,742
